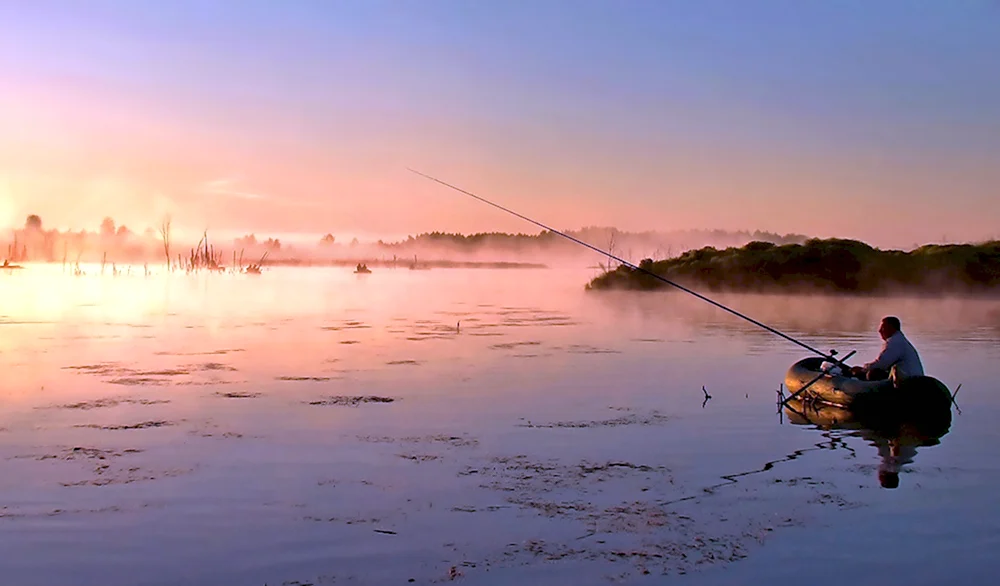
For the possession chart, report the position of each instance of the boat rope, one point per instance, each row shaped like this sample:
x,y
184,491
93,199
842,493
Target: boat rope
x,y
829,356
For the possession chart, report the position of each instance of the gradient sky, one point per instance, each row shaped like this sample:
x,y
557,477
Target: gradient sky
x,y
871,120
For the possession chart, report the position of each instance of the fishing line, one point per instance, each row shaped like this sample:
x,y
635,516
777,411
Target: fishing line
x,y
829,356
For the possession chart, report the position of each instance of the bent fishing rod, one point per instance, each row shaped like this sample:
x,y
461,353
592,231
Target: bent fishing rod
x,y
828,356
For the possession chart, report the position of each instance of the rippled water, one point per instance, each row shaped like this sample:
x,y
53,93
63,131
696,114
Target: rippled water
x,y
312,426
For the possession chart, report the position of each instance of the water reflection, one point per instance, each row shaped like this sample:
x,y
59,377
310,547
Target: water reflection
x,y
895,435
842,319
257,406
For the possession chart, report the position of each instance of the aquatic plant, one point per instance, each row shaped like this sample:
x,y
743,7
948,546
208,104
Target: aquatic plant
x,y
204,257
165,236
254,269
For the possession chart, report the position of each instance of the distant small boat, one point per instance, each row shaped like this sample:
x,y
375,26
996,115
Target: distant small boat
x,y
362,270
921,392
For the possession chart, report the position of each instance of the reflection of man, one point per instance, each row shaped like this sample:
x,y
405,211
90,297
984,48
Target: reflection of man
x,y
895,454
898,358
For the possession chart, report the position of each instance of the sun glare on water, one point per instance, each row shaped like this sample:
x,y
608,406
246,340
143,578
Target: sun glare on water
x,y
50,293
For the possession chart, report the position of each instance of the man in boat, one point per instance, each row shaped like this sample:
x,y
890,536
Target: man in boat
x,y
897,360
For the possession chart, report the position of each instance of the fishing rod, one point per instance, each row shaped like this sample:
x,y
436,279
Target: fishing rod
x,y
828,356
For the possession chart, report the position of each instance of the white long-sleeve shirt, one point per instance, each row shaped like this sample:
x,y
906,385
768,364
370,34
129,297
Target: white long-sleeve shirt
x,y
898,352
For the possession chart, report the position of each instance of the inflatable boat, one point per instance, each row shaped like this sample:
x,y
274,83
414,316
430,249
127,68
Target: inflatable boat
x,y
831,388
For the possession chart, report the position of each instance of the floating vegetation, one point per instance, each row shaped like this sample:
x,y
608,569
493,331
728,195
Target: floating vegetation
x,y
138,381
124,477
451,440
238,395
440,334
344,520
304,378
107,402
534,317
677,556
402,362
205,353
215,366
100,368
419,457
5,513
423,329
103,465
489,509
652,418
512,345
347,325
167,372
224,435
210,383
645,534
588,349
78,452
351,401
127,479
122,375
143,425
522,474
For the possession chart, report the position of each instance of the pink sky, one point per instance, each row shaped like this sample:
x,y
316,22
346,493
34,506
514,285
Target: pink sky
x,y
75,158
117,120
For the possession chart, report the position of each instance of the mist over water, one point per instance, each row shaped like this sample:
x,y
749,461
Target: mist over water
x,y
314,425
119,246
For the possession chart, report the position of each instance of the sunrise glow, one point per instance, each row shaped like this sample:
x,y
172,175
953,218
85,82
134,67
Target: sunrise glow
x,y
303,118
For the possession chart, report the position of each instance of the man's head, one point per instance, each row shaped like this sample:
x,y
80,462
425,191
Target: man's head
x,y
888,479
888,327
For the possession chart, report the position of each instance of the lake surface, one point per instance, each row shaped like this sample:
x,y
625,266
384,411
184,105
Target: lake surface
x,y
233,429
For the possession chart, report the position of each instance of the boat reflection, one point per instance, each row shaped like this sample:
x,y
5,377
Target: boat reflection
x,y
895,434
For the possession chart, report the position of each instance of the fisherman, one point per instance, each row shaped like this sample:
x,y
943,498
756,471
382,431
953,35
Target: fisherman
x,y
898,359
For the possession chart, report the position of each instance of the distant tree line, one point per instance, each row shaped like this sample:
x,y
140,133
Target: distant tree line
x,y
35,243
658,243
829,265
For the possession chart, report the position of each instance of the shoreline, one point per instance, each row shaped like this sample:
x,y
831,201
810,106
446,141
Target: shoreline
x,y
348,263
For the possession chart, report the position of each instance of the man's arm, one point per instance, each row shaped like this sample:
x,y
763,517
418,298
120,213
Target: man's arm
x,y
891,353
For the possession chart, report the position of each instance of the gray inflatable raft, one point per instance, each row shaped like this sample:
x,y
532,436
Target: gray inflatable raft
x,y
849,392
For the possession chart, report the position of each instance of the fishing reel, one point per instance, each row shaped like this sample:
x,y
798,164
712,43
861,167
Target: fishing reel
x,y
841,361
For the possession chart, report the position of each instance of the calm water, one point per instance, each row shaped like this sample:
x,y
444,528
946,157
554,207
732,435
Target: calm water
x,y
226,429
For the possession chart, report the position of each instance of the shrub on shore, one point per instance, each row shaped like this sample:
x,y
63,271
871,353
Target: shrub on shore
x,y
820,265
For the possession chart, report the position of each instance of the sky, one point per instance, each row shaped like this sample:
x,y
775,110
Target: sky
x,y
871,120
